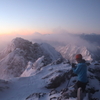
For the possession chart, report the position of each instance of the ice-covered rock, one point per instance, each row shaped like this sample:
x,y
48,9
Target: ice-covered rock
x,y
33,68
56,78
3,85
69,51
14,59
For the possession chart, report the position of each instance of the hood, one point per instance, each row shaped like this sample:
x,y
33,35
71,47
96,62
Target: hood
x,y
82,61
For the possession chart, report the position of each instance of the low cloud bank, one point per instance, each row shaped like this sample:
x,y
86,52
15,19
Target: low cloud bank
x,y
57,39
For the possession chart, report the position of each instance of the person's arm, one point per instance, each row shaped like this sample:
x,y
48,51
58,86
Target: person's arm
x,y
77,69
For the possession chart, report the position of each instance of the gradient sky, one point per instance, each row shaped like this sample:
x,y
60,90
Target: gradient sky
x,y
49,16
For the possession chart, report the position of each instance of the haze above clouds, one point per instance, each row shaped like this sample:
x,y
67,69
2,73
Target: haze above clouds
x,y
59,38
51,21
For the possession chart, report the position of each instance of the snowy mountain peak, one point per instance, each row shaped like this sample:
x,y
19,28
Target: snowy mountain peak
x,y
69,51
17,43
33,68
20,43
15,57
40,68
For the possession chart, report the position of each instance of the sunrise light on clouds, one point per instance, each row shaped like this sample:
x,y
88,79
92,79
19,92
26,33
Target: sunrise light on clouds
x,y
30,16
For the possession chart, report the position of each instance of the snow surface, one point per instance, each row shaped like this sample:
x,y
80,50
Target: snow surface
x,y
69,51
20,88
33,68
50,50
14,59
22,81
33,82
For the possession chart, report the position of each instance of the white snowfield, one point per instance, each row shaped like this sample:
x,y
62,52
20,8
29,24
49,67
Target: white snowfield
x,y
26,69
70,50
20,88
14,59
33,68
33,81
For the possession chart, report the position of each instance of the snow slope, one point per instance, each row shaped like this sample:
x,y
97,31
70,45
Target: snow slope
x,y
14,59
20,88
32,84
69,51
33,68
35,72
47,49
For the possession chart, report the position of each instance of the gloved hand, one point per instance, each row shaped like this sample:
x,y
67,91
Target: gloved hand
x,y
73,65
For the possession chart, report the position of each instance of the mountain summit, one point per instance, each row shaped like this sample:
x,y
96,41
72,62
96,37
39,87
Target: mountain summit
x,y
14,59
89,52
32,71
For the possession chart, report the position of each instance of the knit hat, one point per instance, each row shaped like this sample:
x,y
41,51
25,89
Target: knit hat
x,y
78,56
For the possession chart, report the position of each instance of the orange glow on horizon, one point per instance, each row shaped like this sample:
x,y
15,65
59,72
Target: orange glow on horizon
x,y
25,32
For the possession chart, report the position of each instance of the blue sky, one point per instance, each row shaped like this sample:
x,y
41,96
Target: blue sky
x,y
49,16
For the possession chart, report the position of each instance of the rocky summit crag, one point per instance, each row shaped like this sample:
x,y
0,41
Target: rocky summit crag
x,y
15,57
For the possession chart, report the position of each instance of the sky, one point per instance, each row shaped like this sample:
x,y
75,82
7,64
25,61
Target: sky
x,y
49,16
31,19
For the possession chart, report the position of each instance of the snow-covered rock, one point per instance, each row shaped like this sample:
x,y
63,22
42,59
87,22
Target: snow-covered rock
x,y
4,85
33,68
93,86
69,51
37,72
56,78
47,49
33,87
14,59
13,64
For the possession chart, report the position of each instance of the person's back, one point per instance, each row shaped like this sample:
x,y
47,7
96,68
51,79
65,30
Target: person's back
x,y
81,71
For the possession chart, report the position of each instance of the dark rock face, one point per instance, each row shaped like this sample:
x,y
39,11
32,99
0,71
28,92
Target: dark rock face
x,y
16,64
68,92
3,85
32,51
93,74
35,96
58,61
56,78
19,53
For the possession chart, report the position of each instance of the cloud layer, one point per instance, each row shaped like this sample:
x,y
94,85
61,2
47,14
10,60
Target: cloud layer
x,y
60,38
